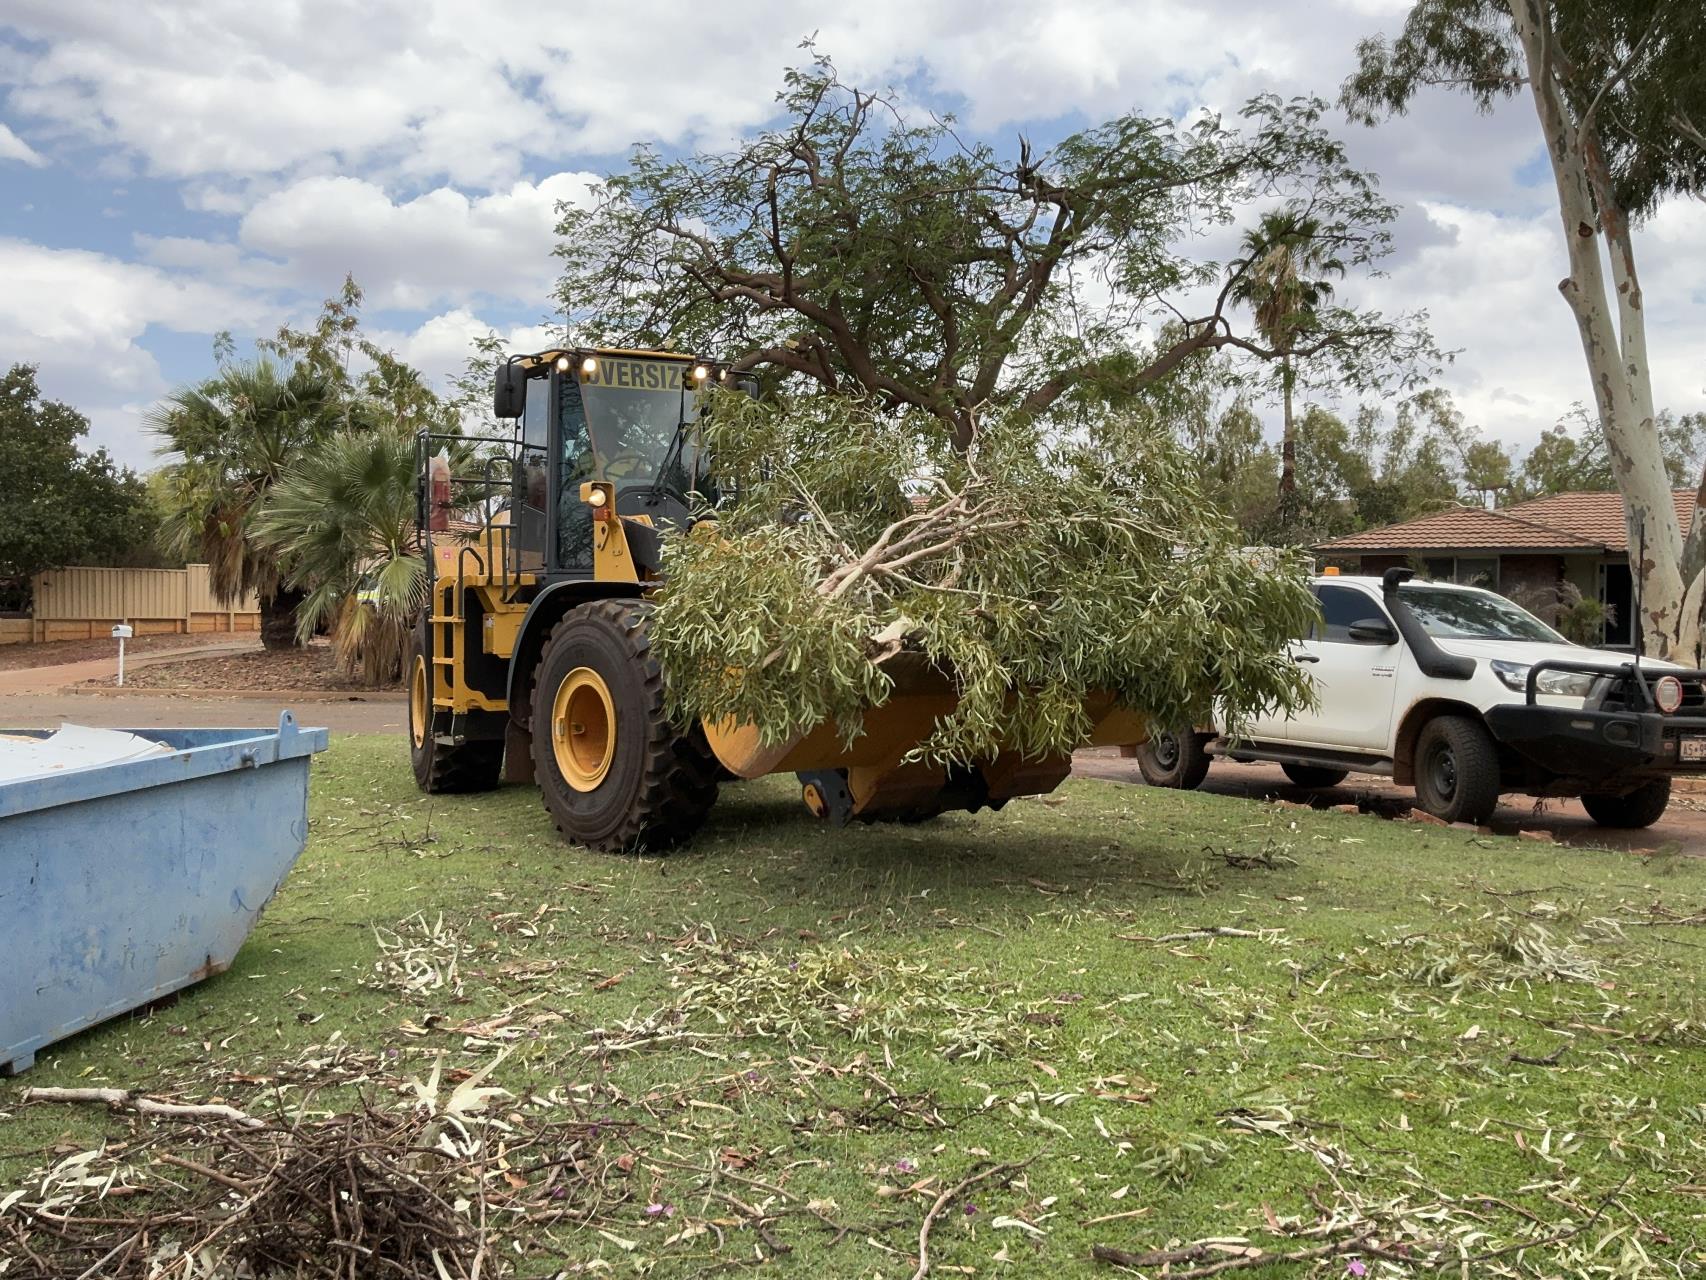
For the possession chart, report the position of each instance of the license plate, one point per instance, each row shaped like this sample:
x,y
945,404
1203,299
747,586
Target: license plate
x,y
1694,750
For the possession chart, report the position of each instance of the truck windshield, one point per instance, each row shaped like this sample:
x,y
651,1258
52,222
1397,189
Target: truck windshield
x,y
1446,614
633,411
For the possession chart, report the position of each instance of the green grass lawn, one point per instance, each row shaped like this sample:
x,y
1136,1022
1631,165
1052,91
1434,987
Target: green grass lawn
x,y
792,1040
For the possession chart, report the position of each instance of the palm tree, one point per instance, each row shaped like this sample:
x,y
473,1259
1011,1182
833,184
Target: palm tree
x,y
343,518
234,435
1279,279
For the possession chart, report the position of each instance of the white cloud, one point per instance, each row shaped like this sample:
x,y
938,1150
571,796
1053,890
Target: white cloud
x,y
81,316
414,254
12,147
398,141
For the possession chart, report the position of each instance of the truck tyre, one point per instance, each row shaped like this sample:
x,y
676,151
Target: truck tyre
x,y
1173,759
441,769
1640,808
615,774
1314,775
1457,770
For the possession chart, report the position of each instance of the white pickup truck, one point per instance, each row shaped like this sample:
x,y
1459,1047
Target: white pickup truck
x,y
1465,696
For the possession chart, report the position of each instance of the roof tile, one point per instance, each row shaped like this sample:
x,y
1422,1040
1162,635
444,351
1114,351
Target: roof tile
x,y
1596,516
1462,529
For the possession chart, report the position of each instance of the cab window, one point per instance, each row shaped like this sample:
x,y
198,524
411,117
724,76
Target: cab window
x,y
1341,609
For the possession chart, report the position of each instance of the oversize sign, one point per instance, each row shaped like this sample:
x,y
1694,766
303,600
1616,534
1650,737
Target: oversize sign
x,y
638,375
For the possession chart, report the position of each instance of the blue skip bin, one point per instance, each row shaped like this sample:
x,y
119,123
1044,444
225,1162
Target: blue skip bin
x,y
121,883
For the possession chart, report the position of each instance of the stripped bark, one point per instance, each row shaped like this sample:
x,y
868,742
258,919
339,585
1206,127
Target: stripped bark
x,y
1612,328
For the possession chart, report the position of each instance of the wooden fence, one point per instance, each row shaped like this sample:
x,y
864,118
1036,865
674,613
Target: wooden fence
x,y
83,604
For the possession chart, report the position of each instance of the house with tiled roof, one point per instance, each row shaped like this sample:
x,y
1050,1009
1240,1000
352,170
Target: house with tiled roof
x,y
1580,538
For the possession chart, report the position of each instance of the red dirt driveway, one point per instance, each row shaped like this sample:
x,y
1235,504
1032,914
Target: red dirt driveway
x,y
1682,829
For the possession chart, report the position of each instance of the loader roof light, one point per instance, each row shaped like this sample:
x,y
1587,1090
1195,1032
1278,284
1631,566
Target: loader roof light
x,y
701,372
595,498
1667,693
589,366
562,364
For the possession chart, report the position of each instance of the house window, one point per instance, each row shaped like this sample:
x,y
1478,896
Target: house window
x,y
1478,571
1469,571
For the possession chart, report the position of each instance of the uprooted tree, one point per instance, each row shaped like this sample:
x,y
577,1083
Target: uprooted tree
x,y
1038,572
1621,98
871,253
991,335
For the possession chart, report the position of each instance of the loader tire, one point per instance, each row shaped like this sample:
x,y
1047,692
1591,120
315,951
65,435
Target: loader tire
x,y
615,773
442,769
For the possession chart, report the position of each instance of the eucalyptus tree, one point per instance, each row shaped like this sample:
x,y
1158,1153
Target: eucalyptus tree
x,y
231,437
1619,91
871,251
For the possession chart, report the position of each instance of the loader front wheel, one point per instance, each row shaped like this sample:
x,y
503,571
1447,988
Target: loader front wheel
x,y
615,774
440,767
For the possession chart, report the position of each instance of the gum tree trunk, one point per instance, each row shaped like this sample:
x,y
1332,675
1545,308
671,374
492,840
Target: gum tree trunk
x,y
1666,567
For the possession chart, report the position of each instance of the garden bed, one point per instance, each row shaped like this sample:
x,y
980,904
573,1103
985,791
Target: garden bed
x,y
1086,1031
19,657
311,668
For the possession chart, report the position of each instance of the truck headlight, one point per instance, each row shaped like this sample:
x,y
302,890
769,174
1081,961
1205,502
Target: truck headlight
x,y
1562,684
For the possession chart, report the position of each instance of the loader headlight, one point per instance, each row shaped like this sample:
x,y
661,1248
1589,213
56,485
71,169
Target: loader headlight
x,y
1561,684
562,364
701,372
589,366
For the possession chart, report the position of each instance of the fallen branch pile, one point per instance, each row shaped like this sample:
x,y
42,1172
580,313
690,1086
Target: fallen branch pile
x,y
358,1195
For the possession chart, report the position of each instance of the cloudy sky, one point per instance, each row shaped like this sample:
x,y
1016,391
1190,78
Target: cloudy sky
x,y
170,170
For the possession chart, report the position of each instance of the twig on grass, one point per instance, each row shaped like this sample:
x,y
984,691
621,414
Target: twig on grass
x,y
945,1199
1253,1257
1192,935
128,1100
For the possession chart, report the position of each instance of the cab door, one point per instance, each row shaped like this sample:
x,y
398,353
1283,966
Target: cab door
x,y
1355,680
1275,725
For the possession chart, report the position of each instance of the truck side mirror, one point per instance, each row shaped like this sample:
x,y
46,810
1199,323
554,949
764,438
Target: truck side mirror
x,y
509,391
1373,631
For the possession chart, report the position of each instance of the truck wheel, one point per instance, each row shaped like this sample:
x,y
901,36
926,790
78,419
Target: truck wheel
x,y
1640,808
442,769
1314,775
1457,770
1171,759
616,775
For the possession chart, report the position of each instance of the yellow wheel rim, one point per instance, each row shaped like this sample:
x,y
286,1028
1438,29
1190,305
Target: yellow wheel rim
x,y
419,711
583,728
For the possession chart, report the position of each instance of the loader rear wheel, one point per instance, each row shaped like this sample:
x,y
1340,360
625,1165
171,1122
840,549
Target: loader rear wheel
x,y
615,774
440,768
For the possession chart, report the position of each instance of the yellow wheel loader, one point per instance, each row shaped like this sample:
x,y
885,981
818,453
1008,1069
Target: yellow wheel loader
x,y
532,661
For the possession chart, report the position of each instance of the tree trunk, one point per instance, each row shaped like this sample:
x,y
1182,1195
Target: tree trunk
x,y
278,618
1288,440
1616,356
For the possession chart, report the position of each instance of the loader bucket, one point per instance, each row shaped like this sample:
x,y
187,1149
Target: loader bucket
x,y
871,778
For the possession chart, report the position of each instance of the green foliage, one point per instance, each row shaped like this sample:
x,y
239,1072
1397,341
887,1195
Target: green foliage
x,y
336,449
1572,455
343,515
869,251
1035,571
233,435
1630,67
59,505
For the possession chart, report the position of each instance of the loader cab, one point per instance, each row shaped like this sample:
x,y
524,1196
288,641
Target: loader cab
x,y
627,420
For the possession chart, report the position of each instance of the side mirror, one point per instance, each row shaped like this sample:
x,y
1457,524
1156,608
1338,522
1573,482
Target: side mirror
x,y
1373,631
748,387
509,391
